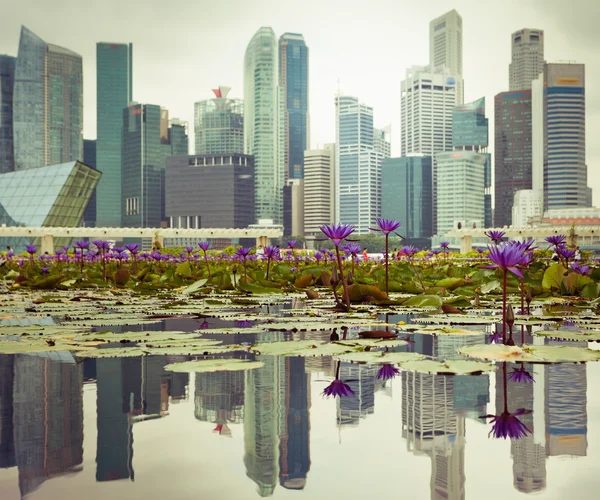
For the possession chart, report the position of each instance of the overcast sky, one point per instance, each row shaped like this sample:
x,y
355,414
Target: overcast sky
x,y
183,48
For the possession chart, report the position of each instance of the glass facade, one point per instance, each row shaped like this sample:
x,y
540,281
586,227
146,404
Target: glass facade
x,y
470,126
53,196
178,138
114,85
144,159
264,111
219,126
512,151
7,82
48,104
293,78
89,158
406,194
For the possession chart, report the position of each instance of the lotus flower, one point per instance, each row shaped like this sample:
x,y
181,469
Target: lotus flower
x,y
204,245
579,269
387,371
507,425
244,323
337,232
521,375
30,249
133,248
409,250
495,236
507,256
337,388
386,226
556,240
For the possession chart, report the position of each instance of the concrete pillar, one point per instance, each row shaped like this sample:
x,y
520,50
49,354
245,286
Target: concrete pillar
x,y
262,241
47,244
466,243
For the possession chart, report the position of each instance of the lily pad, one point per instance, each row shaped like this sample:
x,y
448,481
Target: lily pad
x,y
372,343
574,335
377,357
22,347
450,367
530,353
423,301
214,365
444,330
300,348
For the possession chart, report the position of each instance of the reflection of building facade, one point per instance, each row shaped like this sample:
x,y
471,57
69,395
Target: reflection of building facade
x,y
294,445
430,426
48,417
7,442
361,379
219,397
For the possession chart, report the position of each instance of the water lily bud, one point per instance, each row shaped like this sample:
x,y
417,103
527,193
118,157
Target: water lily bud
x,y
234,269
350,278
529,296
510,316
335,279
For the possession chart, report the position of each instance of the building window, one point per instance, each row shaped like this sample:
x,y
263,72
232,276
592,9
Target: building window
x,y
132,206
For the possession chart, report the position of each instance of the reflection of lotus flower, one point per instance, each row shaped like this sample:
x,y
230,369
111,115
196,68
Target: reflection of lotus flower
x,y
387,371
244,323
338,388
507,425
521,376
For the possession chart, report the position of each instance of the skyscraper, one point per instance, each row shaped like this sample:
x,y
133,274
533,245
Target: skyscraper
x,y
406,196
512,151
446,47
527,58
178,137
7,83
47,104
319,189
219,124
293,79
145,150
114,84
89,158
358,164
293,207
264,106
565,170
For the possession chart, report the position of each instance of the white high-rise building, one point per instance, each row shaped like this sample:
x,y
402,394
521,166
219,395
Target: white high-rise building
x,y
527,60
358,164
264,131
446,47
319,189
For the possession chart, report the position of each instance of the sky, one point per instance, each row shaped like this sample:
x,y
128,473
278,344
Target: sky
x,y
184,48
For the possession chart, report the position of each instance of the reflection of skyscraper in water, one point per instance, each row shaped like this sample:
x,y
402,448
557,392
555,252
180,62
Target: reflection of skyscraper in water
x,y
294,445
219,397
431,427
361,379
7,441
529,458
48,417
471,395
260,424
566,407
114,452
445,346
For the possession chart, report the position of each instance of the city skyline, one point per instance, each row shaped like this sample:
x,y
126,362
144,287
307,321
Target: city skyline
x,y
484,76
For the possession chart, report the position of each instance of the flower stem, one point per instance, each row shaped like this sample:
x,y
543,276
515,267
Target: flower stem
x,y
504,306
344,284
418,275
207,266
387,284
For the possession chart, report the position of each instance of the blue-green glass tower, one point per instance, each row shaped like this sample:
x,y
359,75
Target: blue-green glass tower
x,y
114,94
293,78
7,83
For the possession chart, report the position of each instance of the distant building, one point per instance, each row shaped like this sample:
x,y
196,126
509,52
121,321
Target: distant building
x,y
7,83
293,79
527,61
114,82
52,196
293,208
89,158
406,195
219,124
47,104
264,112
358,165
178,137
512,151
319,189
7,433
210,191
446,47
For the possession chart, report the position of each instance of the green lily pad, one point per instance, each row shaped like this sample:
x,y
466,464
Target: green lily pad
x,y
378,357
194,287
133,336
450,367
300,348
442,330
121,352
214,365
423,301
531,354
22,347
372,343
230,331
591,336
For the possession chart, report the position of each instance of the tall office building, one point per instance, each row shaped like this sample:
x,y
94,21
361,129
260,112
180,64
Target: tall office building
x,y
47,104
264,106
293,79
527,58
319,189
406,193
7,83
219,124
145,150
178,137
358,165
446,47
293,207
89,158
565,170
114,93
512,151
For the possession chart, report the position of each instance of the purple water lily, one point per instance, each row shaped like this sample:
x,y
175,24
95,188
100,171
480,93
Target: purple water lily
x,y
386,226
495,236
244,323
337,232
507,425
204,245
133,248
291,244
579,269
337,388
30,249
409,251
556,240
387,371
521,375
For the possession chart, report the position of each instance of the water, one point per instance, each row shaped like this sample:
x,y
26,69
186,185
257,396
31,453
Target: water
x,y
128,429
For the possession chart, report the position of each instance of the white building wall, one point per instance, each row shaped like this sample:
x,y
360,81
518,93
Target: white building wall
x,y
528,204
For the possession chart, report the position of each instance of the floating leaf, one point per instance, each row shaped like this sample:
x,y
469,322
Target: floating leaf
x,y
423,301
592,336
194,287
27,346
214,365
450,367
529,353
120,352
300,348
377,357
553,277
442,330
372,343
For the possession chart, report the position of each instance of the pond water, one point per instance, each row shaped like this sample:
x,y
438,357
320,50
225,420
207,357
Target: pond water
x,y
124,428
